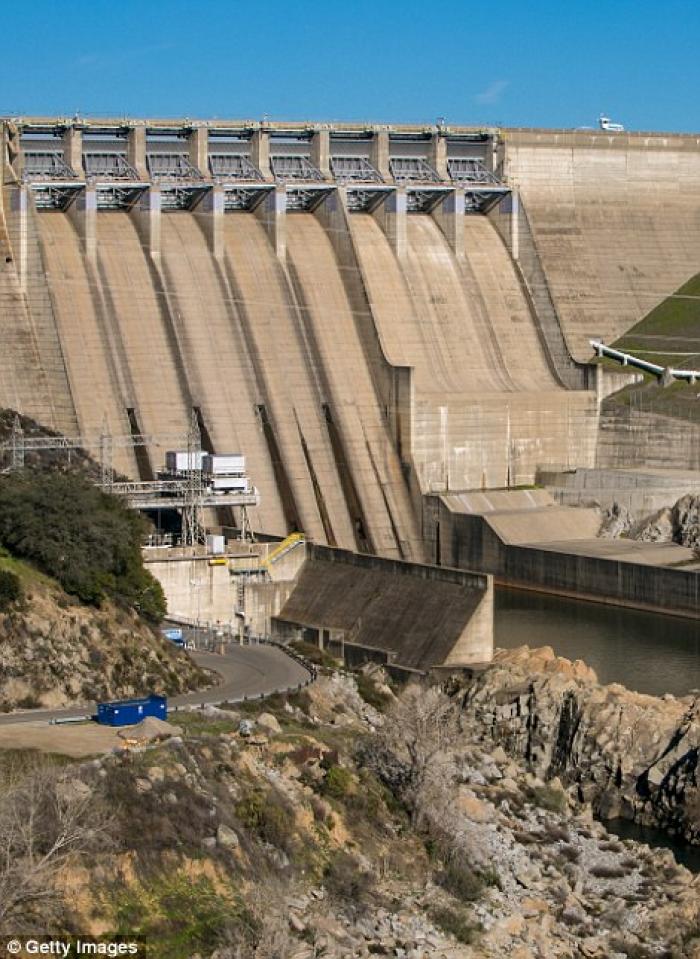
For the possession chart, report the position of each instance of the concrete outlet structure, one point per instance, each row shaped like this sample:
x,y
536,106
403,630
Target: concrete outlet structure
x,y
406,615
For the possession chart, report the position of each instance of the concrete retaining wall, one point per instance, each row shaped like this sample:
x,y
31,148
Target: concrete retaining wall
x,y
194,590
419,616
464,540
641,493
238,592
631,437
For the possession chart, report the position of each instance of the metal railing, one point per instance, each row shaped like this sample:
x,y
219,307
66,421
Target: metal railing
x,y
471,170
294,539
40,164
108,166
412,170
294,168
233,166
354,169
176,166
628,359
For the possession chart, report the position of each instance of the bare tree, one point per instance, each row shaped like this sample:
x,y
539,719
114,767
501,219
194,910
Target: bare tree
x,y
421,730
45,823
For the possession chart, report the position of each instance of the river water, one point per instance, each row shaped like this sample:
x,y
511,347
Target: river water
x,y
647,652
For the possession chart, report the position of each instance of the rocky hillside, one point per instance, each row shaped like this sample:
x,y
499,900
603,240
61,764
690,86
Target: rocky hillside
x,y
627,754
55,651
343,822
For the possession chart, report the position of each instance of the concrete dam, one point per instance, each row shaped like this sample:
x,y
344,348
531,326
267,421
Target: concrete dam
x,y
370,314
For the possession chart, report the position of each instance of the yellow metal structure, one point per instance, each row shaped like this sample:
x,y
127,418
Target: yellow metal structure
x,y
294,539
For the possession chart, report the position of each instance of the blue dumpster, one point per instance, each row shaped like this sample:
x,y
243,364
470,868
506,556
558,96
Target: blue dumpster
x,y
128,712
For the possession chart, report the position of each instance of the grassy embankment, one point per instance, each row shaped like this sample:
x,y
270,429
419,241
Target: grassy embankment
x,y
670,336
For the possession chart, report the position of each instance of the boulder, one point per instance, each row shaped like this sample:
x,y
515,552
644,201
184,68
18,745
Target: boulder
x,y
269,724
626,753
617,522
226,837
686,519
657,529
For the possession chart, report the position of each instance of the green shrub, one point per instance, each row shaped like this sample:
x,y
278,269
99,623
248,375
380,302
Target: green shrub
x,y
337,783
344,880
268,817
456,923
545,797
373,696
89,541
315,655
10,590
180,915
462,881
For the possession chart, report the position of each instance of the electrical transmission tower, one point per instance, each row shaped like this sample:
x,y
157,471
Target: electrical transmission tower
x,y
106,461
193,491
17,444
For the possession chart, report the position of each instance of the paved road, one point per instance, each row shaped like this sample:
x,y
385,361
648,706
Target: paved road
x,y
244,671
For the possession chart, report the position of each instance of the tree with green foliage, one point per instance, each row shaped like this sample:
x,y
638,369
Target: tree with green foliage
x,y
87,540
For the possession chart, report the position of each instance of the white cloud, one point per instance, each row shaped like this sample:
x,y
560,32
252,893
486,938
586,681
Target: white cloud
x,y
492,93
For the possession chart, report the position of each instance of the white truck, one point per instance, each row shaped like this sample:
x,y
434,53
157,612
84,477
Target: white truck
x,y
605,123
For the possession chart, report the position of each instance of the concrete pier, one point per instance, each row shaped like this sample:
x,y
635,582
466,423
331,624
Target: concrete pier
x,y
437,156
320,151
198,143
136,150
73,150
272,214
260,152
379,152
391,215
449,215
147,216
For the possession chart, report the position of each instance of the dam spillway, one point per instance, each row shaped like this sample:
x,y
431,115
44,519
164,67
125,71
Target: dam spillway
x,y
370,314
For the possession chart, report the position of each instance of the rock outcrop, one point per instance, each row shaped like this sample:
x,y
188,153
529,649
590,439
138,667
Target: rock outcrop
x,y
657,529
304,843
629,755
686,519
679,523
616,522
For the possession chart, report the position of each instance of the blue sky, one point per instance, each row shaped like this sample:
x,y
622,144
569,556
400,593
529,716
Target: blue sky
x,y
527,63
